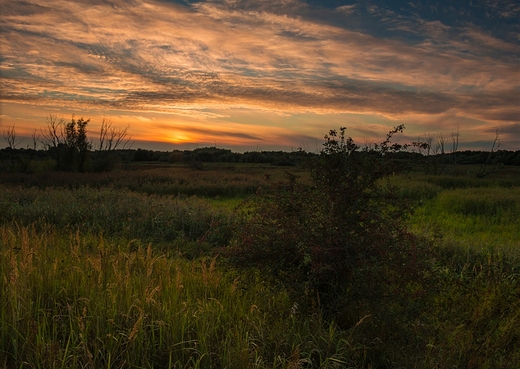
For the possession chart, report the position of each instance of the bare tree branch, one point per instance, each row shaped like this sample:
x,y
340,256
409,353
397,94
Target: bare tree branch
x,y
53,135
34,141
494,147
10,137
454,147
111,138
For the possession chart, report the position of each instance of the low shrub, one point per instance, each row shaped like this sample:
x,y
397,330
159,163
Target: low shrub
x,y
338,244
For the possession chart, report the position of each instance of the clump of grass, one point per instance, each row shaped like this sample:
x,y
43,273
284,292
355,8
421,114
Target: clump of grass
x,y
476,309
486,202
415,189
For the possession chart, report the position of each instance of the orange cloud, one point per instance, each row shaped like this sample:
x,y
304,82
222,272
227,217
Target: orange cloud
x,y
203,65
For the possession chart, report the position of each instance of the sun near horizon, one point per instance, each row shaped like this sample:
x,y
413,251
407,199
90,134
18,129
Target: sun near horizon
x,y
256,75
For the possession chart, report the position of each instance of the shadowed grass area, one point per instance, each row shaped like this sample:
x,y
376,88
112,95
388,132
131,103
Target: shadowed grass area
x,y
222,180
82,301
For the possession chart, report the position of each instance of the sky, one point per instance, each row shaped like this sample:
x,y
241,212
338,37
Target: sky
x,y
252,75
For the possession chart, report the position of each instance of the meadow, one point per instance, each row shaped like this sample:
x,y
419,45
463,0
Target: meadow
x,y
121,270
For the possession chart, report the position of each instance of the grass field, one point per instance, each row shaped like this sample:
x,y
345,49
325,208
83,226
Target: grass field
x,y
117,270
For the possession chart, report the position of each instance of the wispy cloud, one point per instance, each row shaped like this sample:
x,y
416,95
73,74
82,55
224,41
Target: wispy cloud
x,y
205,60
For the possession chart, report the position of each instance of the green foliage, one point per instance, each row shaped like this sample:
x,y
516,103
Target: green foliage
x,y
476,308
339,242
476,218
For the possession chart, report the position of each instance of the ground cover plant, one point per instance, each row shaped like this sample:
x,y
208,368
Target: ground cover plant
x,y
474,229
126,269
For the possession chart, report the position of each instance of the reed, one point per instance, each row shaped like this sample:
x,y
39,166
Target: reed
x,y
82,301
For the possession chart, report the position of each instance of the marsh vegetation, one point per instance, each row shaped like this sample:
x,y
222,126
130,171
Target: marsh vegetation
x,y
239,266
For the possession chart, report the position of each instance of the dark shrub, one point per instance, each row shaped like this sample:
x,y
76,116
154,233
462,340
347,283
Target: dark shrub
x,y
338,243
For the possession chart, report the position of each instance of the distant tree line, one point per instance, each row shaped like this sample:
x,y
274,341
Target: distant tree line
x,y
65,146
437,156
432,164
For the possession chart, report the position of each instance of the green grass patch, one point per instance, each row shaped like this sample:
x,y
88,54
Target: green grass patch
x,y
115,213
473,217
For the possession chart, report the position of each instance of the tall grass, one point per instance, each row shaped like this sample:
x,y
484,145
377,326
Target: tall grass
x,y
83,302
174,180
473,226
477,218
165,220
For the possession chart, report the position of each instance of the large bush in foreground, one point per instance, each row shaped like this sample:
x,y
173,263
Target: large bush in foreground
x,y
338,243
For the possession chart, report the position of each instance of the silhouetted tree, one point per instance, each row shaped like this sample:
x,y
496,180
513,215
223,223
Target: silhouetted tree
x,y
53,138
110,139
77,142
68,142
10,138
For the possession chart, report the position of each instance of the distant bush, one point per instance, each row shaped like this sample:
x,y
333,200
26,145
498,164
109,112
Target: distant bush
x,y
338,244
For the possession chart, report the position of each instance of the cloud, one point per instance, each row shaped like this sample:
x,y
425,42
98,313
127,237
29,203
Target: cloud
x,y
346,9
202,60
508,134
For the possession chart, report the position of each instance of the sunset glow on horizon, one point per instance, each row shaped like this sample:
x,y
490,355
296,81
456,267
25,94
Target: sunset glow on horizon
x,y
264,74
